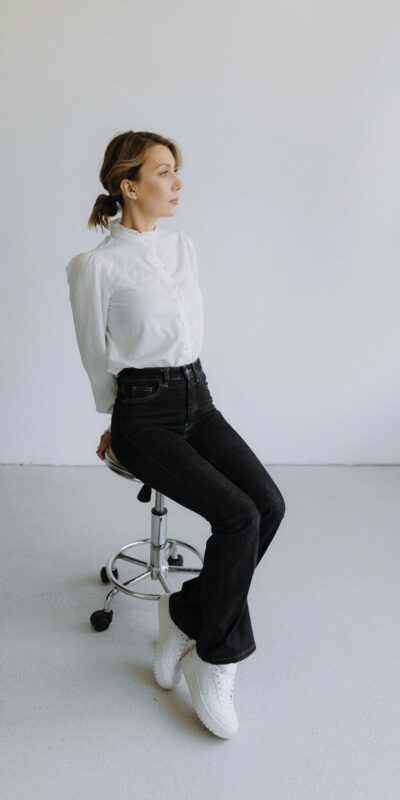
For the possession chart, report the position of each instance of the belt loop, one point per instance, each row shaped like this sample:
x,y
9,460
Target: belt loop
x,y
196,368
166,375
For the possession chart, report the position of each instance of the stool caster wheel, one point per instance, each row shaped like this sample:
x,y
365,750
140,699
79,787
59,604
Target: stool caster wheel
x,y
104,577
101,619
176,562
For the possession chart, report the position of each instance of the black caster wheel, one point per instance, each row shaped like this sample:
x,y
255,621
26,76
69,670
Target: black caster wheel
x,y
101,619
104,577
176,562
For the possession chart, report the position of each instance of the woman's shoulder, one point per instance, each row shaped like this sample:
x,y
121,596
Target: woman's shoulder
x,y
87,260
185,243
185,236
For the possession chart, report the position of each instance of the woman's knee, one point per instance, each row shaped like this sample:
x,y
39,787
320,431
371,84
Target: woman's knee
x,y
274,505
278,505
241,516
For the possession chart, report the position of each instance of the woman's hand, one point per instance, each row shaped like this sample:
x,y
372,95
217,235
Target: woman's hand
x,y
105,441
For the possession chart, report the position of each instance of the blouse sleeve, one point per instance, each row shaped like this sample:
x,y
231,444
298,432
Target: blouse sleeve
x,y
89,301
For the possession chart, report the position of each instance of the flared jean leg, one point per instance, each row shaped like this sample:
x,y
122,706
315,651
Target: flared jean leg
x,y
220,622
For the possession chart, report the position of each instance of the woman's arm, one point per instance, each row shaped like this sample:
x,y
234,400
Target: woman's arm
x,y
89,303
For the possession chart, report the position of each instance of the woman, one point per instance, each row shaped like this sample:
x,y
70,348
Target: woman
x,y
138,316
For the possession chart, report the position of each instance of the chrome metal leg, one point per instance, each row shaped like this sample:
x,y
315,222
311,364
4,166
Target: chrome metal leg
x,y
161,550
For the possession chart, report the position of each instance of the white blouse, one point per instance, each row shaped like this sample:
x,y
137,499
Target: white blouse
x,y
136,302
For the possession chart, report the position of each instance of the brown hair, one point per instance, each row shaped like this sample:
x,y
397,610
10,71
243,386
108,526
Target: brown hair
x,y
123,158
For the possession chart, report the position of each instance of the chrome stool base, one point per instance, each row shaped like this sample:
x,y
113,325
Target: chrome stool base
x,y
164,556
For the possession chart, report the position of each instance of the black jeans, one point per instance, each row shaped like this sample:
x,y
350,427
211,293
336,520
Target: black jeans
x,y
166,430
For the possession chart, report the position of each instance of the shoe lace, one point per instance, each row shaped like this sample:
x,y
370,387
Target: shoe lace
x,y
225,678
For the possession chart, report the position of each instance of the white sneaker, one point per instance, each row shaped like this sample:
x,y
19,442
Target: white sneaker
x,y
171,646
211,689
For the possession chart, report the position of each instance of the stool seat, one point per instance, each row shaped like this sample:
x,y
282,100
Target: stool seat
x,y
163,552
113,463
112,455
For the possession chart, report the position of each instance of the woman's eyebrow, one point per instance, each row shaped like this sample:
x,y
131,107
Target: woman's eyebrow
x,y
164,164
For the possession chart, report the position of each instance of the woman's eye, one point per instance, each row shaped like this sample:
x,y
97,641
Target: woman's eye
x,y
166,171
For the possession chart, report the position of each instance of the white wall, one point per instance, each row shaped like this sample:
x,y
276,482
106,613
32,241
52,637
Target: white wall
x,y
288,116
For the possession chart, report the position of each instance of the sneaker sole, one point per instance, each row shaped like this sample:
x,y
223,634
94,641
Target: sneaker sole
x,y
198,701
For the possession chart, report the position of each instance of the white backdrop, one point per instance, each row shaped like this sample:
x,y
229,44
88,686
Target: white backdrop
x,y
287,113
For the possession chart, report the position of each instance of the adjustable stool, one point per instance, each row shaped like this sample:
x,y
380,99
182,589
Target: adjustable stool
x,y
164,556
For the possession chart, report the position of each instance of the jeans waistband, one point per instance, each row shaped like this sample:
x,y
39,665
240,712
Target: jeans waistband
x,y
168,373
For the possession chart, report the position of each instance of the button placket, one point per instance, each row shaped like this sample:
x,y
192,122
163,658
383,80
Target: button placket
x,y
184,318
176,293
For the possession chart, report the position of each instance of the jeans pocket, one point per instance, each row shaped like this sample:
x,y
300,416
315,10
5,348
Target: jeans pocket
x,y
140,390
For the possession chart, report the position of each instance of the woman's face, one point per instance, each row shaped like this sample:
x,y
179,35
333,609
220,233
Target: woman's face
x,y
159,184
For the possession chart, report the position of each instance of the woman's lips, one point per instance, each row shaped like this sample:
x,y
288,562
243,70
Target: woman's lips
x,y
175,201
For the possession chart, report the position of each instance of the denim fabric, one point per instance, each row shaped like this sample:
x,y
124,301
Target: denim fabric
x,y
166,430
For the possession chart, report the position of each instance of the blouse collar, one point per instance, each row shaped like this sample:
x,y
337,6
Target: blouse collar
x,y
122,232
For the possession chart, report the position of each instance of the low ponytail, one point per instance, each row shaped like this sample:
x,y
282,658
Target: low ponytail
x,y
105,206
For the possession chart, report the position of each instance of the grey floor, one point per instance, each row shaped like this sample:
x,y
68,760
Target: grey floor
x,y
318,701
